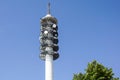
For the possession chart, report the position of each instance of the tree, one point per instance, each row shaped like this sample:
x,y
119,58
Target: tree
x,y
95,71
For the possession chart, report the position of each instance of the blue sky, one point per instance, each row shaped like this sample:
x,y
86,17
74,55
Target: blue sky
x,y
88,30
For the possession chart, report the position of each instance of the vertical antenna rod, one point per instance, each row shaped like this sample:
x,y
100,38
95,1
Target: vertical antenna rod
x,y
49,8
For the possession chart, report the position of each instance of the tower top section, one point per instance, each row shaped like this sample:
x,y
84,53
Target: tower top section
x,y
49,17
49,36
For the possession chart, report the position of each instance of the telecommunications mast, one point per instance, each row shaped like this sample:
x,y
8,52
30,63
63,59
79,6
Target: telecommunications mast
x,y
49,43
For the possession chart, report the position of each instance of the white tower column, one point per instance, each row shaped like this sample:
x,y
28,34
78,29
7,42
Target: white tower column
x,y
49,67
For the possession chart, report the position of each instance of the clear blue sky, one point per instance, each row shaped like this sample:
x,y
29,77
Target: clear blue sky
x,y
88,30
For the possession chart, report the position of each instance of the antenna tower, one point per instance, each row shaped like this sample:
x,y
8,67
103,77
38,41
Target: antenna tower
x,y
49,42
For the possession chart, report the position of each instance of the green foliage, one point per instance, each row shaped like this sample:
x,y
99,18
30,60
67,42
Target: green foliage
x,y
96,71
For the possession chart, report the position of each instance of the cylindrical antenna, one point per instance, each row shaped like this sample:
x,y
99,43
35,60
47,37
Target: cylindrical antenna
x,y
49,8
